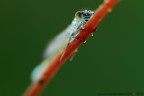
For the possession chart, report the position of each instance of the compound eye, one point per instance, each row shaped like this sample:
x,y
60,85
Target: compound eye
x,y
78,14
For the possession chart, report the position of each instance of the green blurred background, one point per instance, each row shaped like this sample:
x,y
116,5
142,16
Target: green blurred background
x,y
112,61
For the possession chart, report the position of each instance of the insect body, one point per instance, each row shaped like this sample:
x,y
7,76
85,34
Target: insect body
x,y
81,17
61,41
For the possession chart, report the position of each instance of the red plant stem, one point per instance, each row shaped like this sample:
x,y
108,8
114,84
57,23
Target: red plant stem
x,y
36,87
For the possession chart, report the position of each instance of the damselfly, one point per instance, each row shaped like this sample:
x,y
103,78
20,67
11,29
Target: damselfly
x,y
61,41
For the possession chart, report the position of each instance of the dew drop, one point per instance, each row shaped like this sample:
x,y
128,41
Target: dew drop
x,y
109,10
91,34
84,41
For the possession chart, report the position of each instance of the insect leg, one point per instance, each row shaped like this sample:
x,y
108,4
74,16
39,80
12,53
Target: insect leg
x,y
71,58
73,36
64,50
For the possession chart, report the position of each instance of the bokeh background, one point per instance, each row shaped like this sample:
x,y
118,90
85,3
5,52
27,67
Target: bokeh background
x,y
110,62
